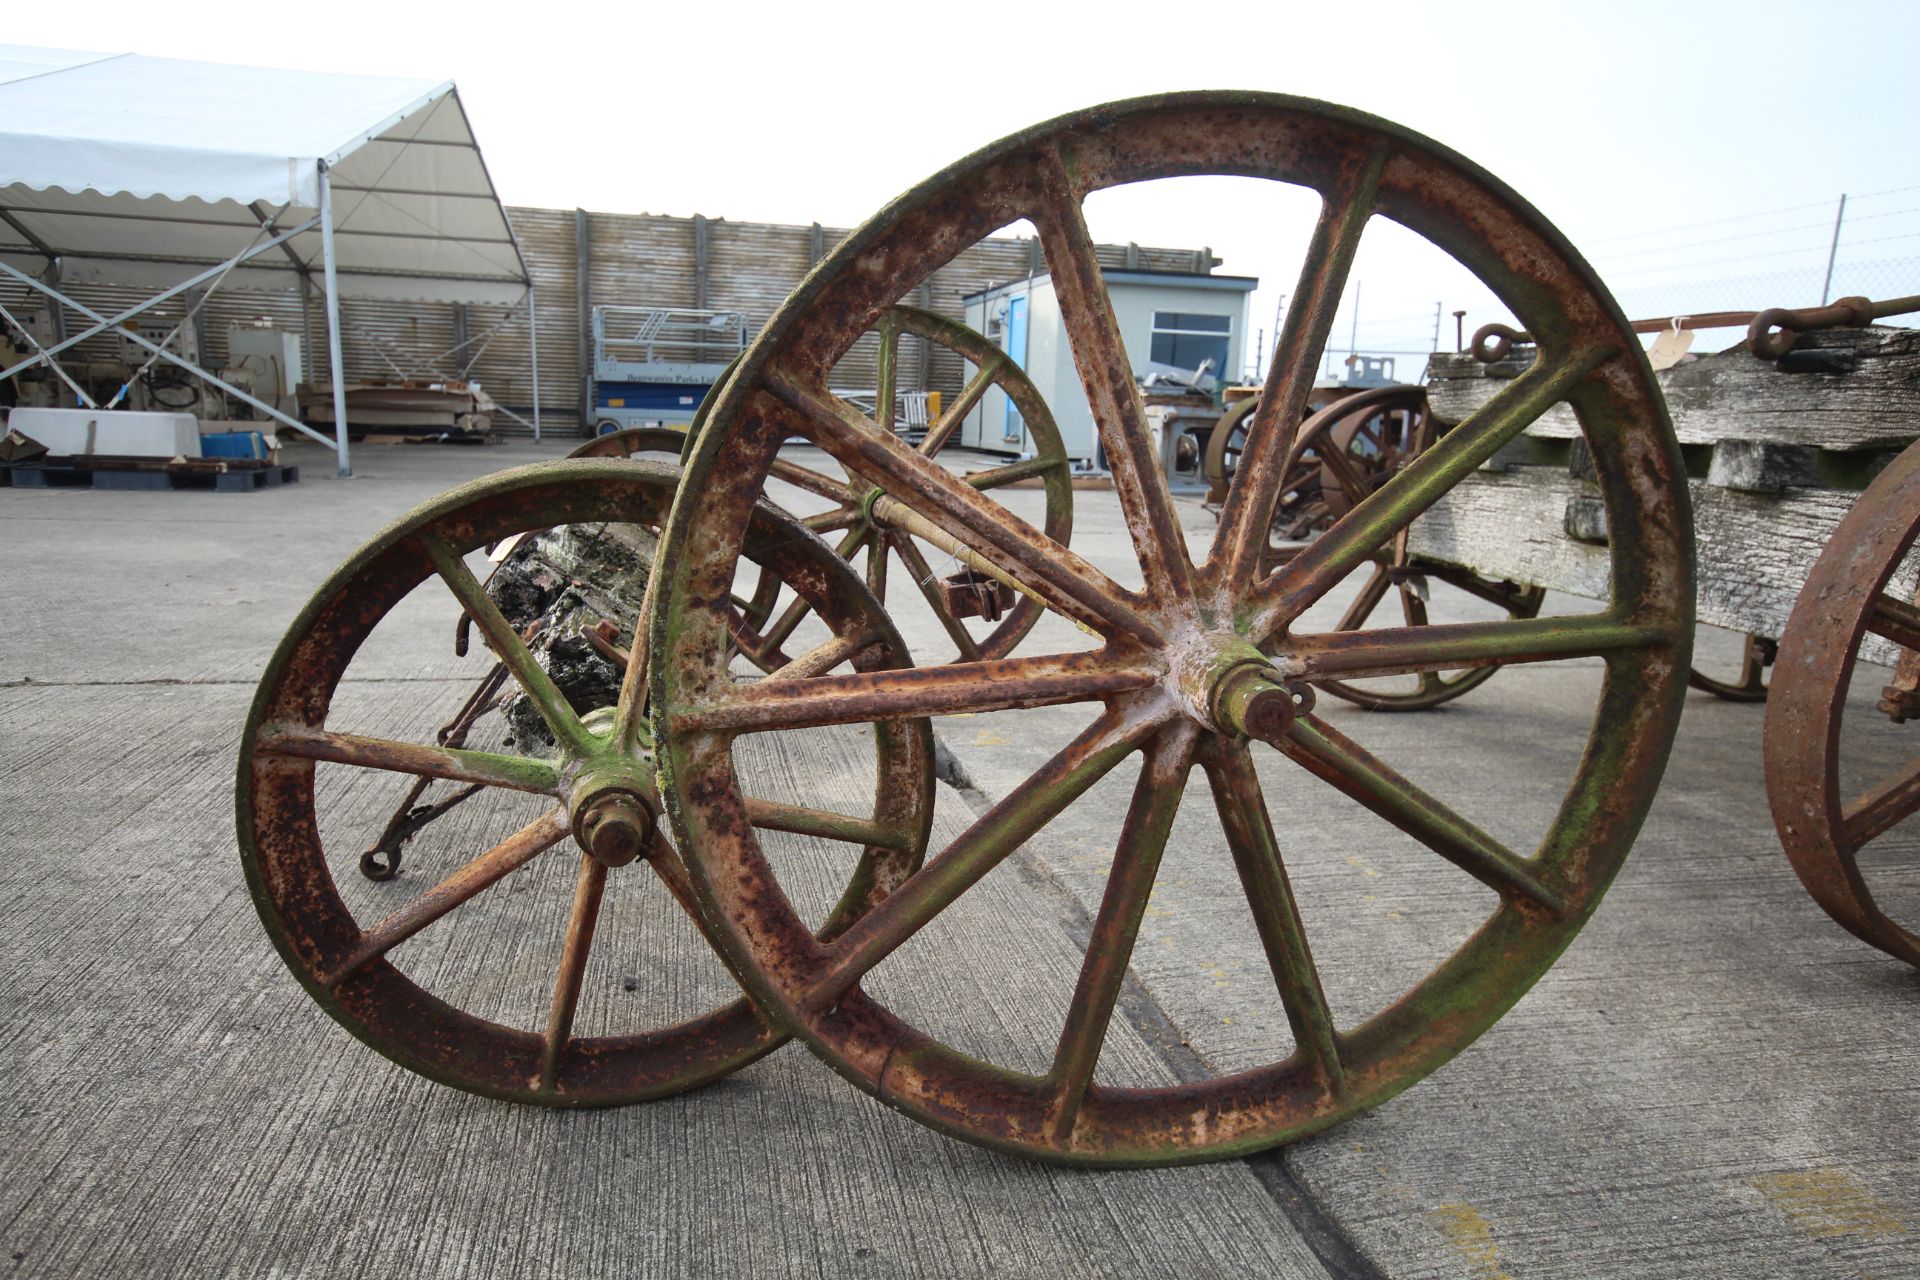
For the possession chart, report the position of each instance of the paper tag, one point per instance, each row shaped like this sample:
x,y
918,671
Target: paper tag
x,y
1669,347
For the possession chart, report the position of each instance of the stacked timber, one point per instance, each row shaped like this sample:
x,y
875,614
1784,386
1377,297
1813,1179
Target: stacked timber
x,y
1777,452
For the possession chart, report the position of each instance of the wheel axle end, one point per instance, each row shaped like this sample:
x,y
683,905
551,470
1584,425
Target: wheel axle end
x,y
1254,702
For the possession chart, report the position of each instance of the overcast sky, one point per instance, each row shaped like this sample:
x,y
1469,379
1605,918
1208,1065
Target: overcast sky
x,y
1628,124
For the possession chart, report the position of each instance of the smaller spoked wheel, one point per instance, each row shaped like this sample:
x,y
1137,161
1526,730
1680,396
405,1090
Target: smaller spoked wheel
x,y
1346,452
1224,446
663,443
1403,590
1856,616
982,618
452,981
1757,654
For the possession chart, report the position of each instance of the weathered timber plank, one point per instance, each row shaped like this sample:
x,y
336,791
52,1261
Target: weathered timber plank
x,y
1731,395
1753,550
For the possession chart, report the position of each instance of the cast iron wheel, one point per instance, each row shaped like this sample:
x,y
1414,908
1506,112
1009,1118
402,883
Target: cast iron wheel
x,y
1846,599
1198,661
1751,684
601,784
861,513
383,858
1412,579
1223,448
628,441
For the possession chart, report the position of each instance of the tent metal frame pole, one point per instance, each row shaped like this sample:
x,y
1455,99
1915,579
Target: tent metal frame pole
x,y
158,298
533,346
333,320
169,357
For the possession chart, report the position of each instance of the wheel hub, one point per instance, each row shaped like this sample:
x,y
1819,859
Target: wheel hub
x,y
613,804
1228,685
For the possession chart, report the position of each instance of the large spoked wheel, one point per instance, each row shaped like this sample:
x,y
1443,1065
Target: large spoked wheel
x,y
865,520
1203,657
599,796
1849,598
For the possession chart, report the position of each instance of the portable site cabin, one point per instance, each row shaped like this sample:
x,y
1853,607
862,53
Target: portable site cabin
x,y
184,177
1168,320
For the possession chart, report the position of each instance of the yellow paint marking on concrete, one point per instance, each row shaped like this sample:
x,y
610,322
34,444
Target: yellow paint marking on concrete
x,y
1467,1231
1825,1203
988,738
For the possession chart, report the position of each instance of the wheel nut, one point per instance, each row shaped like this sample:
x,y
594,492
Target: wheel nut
x,y
617,829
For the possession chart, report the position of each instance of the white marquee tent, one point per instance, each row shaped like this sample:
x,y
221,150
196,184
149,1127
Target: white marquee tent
x,y
178,176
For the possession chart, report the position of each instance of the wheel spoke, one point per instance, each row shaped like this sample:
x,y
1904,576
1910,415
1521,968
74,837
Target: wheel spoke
x,y
1458,646
587,893
1884,807
1351,769
1119,413
1894,619
922,575
770,815
813,482
1356,536
978,850
1276,916
484,871
1372,592
766,706
1269,445
832,521
508,647
824,658
1058,576
888,372
954,414
783,627
1013,472
877,555
454,764
1136,861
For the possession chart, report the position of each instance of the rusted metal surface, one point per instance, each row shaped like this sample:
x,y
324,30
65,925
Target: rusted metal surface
x,y
382,859
1341,456
974,595
1776,331
1750,684
601,788
1196,657
870,521
1852,592
1770,333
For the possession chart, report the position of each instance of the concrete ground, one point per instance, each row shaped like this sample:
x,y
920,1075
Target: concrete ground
x,y
1714,1080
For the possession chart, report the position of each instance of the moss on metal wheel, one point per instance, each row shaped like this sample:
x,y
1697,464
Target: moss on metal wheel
x,y
1202,665
600,786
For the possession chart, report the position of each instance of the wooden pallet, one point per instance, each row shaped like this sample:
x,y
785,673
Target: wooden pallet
x,y
222,475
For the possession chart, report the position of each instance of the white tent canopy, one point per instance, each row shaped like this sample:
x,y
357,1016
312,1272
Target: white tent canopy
x,y
129,167
154,172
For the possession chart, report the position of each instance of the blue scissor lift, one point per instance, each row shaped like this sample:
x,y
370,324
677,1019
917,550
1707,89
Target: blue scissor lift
x,y
655,364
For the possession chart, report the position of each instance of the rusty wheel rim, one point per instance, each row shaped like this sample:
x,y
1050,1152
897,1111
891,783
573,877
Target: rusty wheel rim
x,y
1223,449
1750,685
1202,659
630,441
860,524
1844,601
344,965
